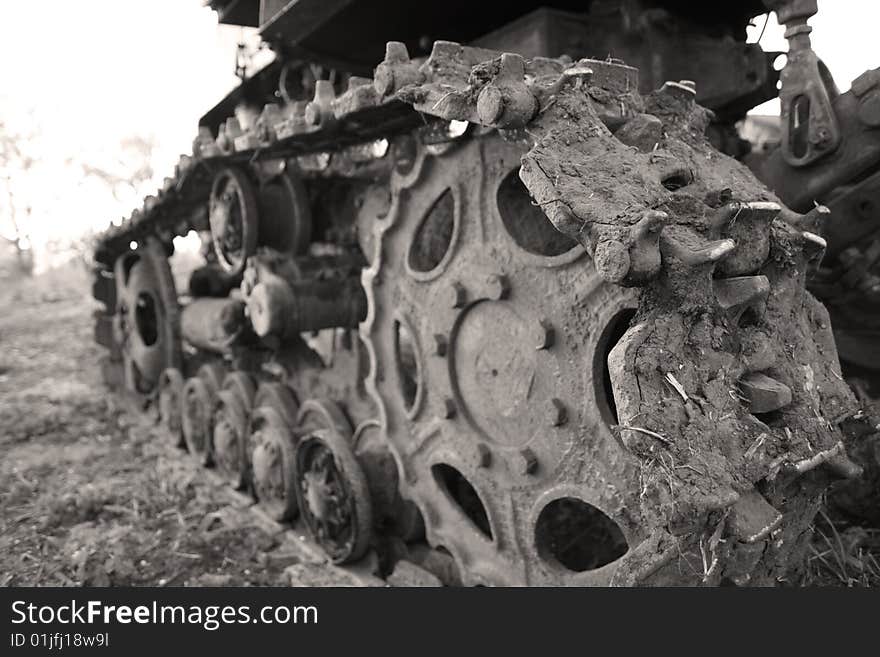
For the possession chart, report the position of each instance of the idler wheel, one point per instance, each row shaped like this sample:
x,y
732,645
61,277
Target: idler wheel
x,y
233,217
146,325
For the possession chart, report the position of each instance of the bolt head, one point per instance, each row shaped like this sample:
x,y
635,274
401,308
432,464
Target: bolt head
x,y
457,295
529,461
484,456
490,104
546,335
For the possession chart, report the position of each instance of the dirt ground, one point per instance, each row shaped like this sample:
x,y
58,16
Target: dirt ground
x,y
91,495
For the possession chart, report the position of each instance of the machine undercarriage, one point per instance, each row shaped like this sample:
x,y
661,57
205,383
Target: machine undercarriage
x,y
514,318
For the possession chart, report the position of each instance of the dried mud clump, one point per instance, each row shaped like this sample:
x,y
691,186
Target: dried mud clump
x,y
727,383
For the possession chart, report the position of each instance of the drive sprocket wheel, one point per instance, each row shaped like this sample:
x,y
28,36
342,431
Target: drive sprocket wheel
x,y
693,453
332,491
146,325
487,332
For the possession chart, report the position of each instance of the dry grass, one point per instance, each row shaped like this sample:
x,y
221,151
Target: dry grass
x,y
88,495
842,555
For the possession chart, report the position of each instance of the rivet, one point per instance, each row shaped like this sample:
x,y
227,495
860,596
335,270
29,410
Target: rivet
x,y
440,344
458,295
499,287
529,461
484,456
557,413
546,336
449,409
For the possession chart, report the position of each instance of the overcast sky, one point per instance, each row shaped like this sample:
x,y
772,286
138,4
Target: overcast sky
x,y
94,72
91,73
845,35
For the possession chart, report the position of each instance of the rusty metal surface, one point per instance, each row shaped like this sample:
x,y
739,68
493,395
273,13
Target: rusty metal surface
x,y
501,387
667,233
